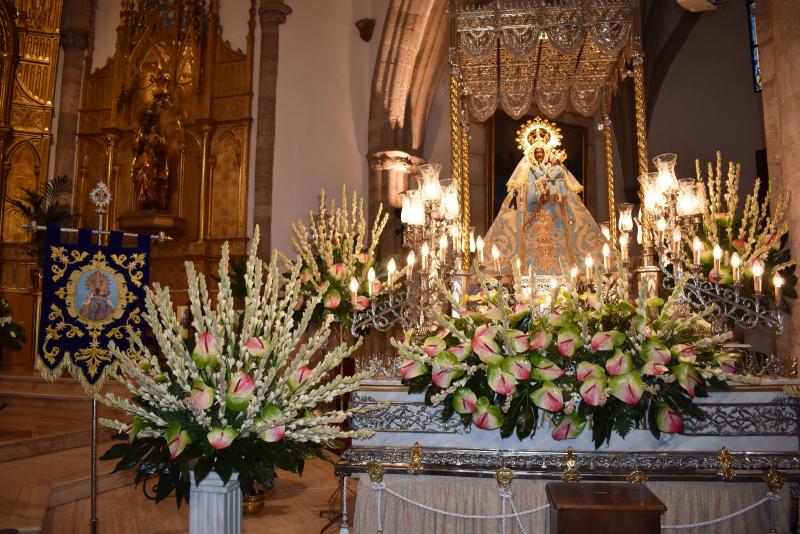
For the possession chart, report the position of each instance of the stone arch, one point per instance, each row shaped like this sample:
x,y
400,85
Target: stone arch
x,y
411,58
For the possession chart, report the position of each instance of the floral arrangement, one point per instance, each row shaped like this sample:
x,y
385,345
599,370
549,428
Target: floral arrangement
x,y
333,252
245,399
592,358
12,335
755,233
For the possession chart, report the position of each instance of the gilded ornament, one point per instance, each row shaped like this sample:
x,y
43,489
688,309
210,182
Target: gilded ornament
x,y
571,473
726,461
637,476
375,472
415,467
504,476
774,480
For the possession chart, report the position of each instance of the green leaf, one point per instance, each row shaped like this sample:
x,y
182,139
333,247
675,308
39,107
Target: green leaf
x,y
203,468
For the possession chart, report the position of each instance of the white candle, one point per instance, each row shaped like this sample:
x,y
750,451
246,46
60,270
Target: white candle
x,y
410,261
496,258
391,267
518,264
606,257
425,250
573,274
661,227
455,233
353,291
472,241
758,273
623,245
717,252
479,246
697,246
589,262
676,243
442,247
777,282
736,268
370,280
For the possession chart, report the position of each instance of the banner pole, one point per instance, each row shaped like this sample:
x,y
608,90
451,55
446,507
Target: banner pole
x,y
93,491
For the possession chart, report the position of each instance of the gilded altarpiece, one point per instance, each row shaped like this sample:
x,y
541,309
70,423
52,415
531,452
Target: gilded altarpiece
x,y
171,63
31,42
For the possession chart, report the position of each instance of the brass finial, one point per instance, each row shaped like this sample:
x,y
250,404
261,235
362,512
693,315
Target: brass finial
x,y
415,467
571,473
375,472
637,476
504,476
774,480
726,461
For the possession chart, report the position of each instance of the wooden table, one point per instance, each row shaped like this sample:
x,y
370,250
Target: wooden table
x,y
603,507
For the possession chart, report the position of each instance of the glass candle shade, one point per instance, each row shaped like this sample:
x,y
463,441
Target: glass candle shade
x,y
429,182
448,207
625,217
605,231
666,181
688,203
416,210
652,196
405,209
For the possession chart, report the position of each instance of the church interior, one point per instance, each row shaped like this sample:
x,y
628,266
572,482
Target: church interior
x,y
399,266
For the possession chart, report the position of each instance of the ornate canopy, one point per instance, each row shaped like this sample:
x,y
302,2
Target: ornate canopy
x,y
543,52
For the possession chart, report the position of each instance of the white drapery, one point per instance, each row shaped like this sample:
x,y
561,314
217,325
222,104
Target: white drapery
x,y
687,502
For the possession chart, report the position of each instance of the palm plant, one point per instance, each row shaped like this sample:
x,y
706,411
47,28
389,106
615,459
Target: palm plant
x,y
44,208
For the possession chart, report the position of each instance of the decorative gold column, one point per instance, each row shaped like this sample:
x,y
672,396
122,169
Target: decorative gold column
x,y
608,133
206,129
111,182
465,201
641,120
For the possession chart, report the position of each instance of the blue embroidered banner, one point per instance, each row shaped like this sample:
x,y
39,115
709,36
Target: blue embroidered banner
x,y
91,295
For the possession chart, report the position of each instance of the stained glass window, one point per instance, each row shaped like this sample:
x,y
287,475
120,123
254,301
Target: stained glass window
x,y
751,17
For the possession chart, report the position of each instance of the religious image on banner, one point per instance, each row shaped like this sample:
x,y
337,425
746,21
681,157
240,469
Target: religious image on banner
x,y
91,295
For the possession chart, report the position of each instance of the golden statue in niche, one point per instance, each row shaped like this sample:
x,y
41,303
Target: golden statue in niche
x,y
150,172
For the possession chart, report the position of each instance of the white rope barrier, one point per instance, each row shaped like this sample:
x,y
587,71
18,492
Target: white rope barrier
x,y
770,497
507,496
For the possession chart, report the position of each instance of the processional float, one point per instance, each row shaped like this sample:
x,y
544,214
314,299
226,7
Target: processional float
x,y
555,55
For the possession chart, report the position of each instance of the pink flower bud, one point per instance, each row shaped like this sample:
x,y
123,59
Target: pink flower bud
x,y
569,427
205,351
332,299
297,378
202,395
548,397
628,388
177,439
667,420
487,416
256,347
240,391
219,438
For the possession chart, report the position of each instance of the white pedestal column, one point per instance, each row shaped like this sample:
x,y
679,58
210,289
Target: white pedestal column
x,y
215,507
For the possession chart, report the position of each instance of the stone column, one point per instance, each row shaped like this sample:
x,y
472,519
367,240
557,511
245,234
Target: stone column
x,y
390,173
779,52
74,43
272,13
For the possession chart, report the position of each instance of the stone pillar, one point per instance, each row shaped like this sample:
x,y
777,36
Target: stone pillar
x,y
272,13
390,173
74,43
779,52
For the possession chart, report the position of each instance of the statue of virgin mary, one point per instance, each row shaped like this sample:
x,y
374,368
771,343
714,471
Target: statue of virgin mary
x,y
542,219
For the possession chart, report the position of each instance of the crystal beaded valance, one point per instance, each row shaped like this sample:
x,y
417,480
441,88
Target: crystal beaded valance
x,y
543,52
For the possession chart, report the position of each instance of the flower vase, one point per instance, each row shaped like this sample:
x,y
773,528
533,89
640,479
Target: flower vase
x,y
215,507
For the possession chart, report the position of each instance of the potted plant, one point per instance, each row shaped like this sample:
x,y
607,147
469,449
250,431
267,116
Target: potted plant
x,y
43,208
245,402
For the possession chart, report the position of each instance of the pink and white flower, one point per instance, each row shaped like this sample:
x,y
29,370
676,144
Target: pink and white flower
x,y
240,391
412,368
499,380
607,340
275,433
517,366
668,420
433,345
332,299
548,397
516,341
540,339
687,377
297,378
464,401
484,345
653,368
462,351
256,347
655,351
220,438
205,351
684,353
628,388
569,427
546,370
487,416
441,373
337,270
593,390
619,364
569,340
588,370
362,303
177,439
202,395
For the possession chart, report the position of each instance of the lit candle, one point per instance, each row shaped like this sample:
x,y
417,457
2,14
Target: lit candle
x,y
589,265
442,247
661,227
455,233
518,264
391,267
496,258
410,261
697,245
370,280
777,282
573,274
736,268
623,246
676,243
353,291
717,259
758,273
606,257
425,250
472,241
479,246
553,288
605,231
